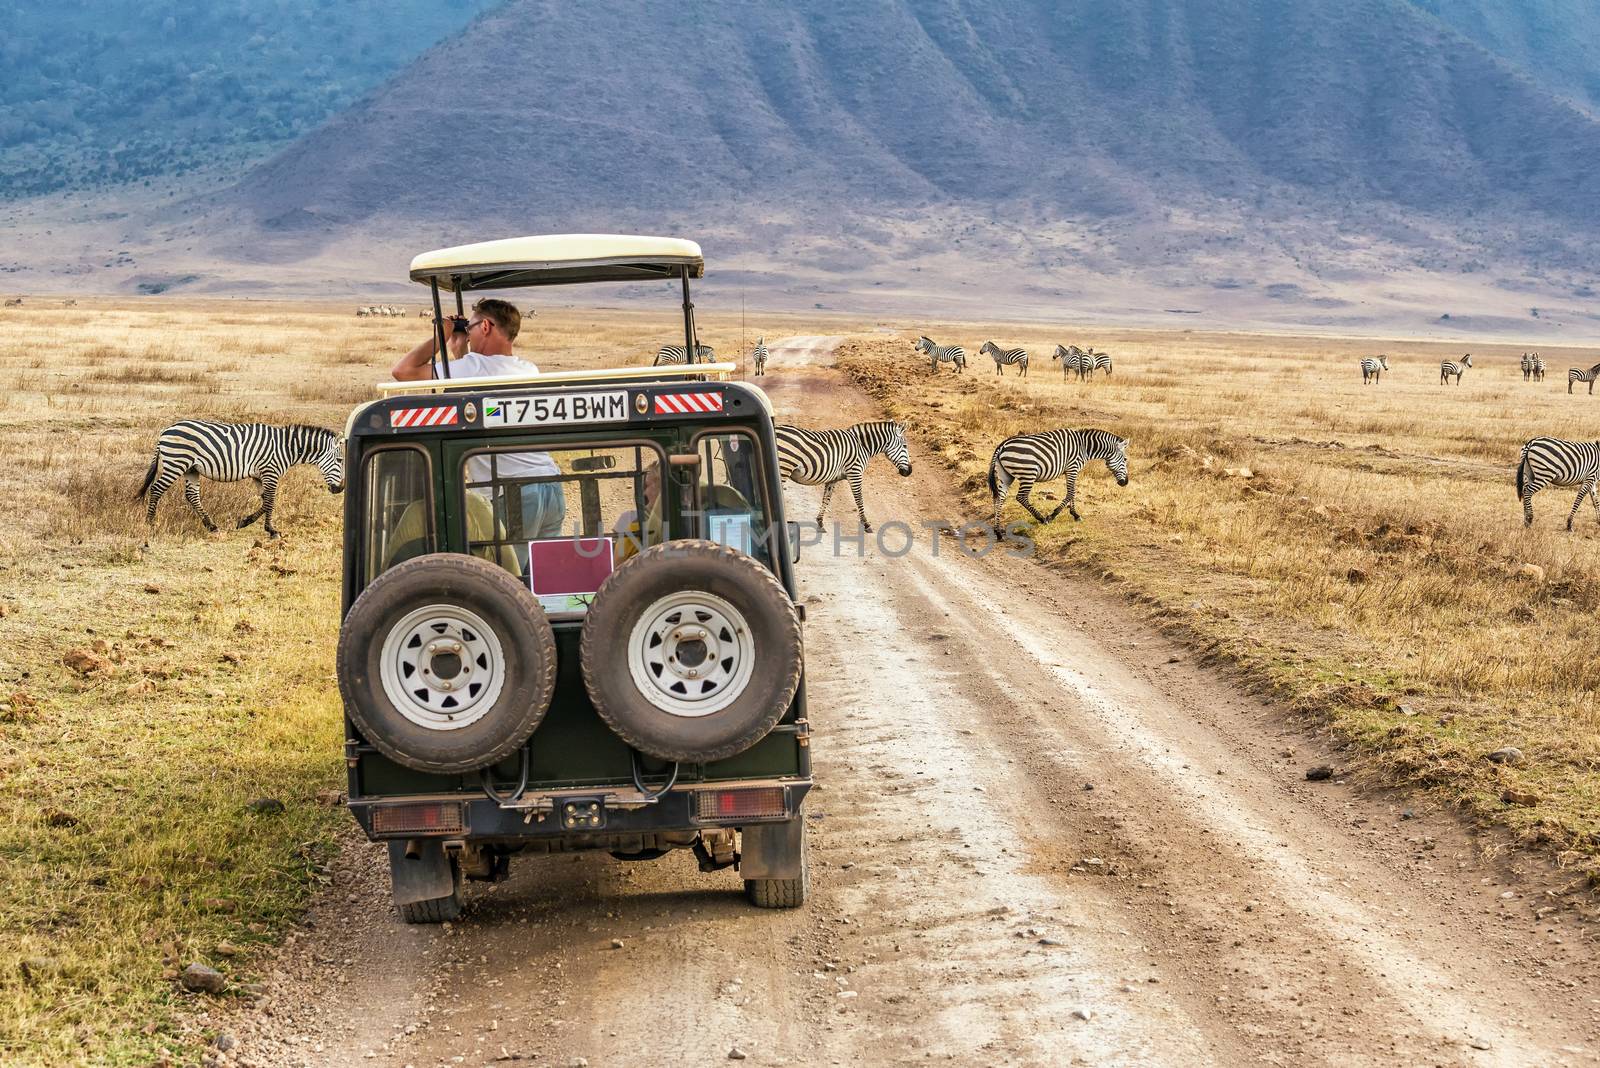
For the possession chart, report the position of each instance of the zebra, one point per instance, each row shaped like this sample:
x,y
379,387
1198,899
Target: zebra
x,y
760,355
1006,357
672,355
1578,374
1527,366
228,452
824,457
1450,367
1073,359
1028,459
1372,367
1554,462
937,354
1538,368
1102,361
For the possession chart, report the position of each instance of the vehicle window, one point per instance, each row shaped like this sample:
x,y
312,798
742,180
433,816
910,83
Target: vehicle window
x,y
562,519
730,499
399,520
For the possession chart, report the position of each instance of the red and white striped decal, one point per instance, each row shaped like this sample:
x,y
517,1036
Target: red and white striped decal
x,y
688,403
443,415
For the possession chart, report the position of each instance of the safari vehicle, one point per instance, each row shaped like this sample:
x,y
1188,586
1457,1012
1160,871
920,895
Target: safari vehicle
x,y
632,683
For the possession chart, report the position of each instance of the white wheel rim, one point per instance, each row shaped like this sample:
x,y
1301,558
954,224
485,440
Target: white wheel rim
x,y
691,654
442,667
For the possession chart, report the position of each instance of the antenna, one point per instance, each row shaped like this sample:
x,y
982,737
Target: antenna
x,y
743,344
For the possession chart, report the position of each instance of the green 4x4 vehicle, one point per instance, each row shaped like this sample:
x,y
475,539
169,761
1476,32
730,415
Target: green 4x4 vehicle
x,y
628,677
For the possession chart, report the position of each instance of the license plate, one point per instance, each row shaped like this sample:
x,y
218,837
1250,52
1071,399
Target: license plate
x,y
604,407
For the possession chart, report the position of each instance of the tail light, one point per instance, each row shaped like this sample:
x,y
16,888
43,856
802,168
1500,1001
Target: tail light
x,y
433,817
762,802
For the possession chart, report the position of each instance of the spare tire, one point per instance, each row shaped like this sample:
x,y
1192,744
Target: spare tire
x,y
691,651
446,663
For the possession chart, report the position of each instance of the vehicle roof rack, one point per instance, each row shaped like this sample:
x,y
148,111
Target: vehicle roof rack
x,y
608,375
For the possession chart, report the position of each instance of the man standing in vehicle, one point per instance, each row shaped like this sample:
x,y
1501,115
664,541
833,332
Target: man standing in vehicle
x,y
482,347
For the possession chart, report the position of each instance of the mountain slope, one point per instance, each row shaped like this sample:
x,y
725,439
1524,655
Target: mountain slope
x,y
1556,43
99,94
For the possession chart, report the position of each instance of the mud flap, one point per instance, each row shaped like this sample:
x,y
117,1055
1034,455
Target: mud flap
x,y
424,876
772,850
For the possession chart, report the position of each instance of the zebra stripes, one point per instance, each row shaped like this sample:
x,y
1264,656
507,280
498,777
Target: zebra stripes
x,y
1554,462
937,354
760,356
824,457
1102,361
1084,361
1538,367
672,355
1004,358
1372,367
228,452
1532,367
1577,374
1028,459
1450,367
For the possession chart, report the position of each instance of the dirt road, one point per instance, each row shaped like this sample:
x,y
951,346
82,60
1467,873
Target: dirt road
x,y
1043,836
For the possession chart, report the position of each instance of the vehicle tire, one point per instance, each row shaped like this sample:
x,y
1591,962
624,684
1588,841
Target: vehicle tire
x,y
691,651
439,909
446,663
782,893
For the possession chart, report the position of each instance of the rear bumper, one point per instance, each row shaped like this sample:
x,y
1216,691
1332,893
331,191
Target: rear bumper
x,y
599,812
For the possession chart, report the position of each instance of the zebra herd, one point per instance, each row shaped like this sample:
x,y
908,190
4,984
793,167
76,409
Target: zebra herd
x,y
827,457
676,355
1083,362
1533,370
366,310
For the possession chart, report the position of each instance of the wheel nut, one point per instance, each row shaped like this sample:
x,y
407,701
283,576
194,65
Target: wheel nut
x,y
693,673
443,685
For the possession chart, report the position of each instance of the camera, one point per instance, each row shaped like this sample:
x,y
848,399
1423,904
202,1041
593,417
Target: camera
x,y
458,324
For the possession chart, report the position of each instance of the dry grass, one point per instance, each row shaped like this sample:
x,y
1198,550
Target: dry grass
x,y
126,848
1368,570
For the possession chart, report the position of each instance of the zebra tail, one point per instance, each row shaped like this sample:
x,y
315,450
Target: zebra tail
x,y
149,477
994,462
1522,467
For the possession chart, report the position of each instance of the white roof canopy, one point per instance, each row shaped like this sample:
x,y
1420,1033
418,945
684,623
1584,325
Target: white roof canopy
x,y
557,259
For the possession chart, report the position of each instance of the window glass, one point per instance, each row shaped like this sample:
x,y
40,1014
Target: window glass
x,y
731,502
562,520
399,519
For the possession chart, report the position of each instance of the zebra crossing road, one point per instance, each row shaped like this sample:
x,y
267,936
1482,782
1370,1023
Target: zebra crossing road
x,y
1043,835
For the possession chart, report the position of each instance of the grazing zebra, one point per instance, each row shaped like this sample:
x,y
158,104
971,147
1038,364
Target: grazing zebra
x,y
1450,367
1554,462
1577,374
760,355
228,452
1073,359
1006,357
672,355
937,354
1028,459
824,457
1372,367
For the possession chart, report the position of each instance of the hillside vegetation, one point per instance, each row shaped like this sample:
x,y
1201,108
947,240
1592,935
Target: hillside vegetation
x,y
99,93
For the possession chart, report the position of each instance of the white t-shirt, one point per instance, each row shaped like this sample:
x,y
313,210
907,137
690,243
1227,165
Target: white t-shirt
x,y
510,464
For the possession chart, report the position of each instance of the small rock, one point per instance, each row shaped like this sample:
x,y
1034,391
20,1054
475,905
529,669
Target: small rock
x,y
1409,814
1083,1014
1406,709
85,662
847,994
1048,942
1479,1043
616,943
202,980
1320,773
266,806
151,587
1355,576
1524,798
227,949
736,1054
330,798
1532,572
224,1042
578,1062
1509,755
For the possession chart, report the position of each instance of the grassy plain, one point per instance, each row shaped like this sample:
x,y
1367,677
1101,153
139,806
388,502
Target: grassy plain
x,y
127,845
1357,550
